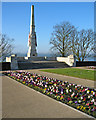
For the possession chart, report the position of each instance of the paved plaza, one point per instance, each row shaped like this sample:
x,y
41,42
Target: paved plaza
x,y
20,101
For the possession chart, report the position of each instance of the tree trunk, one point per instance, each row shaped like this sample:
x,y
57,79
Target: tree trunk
x,y
63,48
63,54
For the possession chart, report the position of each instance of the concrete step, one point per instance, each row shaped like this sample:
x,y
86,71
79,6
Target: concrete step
x,y
41,64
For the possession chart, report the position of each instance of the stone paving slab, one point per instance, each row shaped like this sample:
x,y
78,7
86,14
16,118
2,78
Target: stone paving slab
x,y
20,101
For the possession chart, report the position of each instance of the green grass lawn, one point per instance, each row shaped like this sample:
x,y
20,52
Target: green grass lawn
x,y
75,72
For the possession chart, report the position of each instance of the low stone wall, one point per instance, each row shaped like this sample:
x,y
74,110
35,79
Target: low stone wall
x,y
70,60
85,63
8,59
40,58
5,66
20,58
51,58
13,61
41,64
34,58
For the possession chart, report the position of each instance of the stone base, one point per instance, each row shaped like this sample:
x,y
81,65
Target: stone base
x,y
34,58
41,64
14,62
42,61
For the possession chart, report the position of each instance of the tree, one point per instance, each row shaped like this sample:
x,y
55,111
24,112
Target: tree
x,y
81,44
5,47
60,38
94,46
66,40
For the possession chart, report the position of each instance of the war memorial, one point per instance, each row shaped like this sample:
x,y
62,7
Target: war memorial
x,y
31,93
32,60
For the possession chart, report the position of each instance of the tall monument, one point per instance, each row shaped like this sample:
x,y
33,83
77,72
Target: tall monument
x,y
32,43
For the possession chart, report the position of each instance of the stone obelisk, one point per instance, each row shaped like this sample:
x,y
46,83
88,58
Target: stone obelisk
x,y
32,43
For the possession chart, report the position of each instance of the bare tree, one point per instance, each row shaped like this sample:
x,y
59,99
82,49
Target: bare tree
x,y
67,40
94,46
60,38
81,44
5,47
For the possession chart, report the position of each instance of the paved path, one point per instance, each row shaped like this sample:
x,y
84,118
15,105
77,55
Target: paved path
x,y
84,82
20,101
86,68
